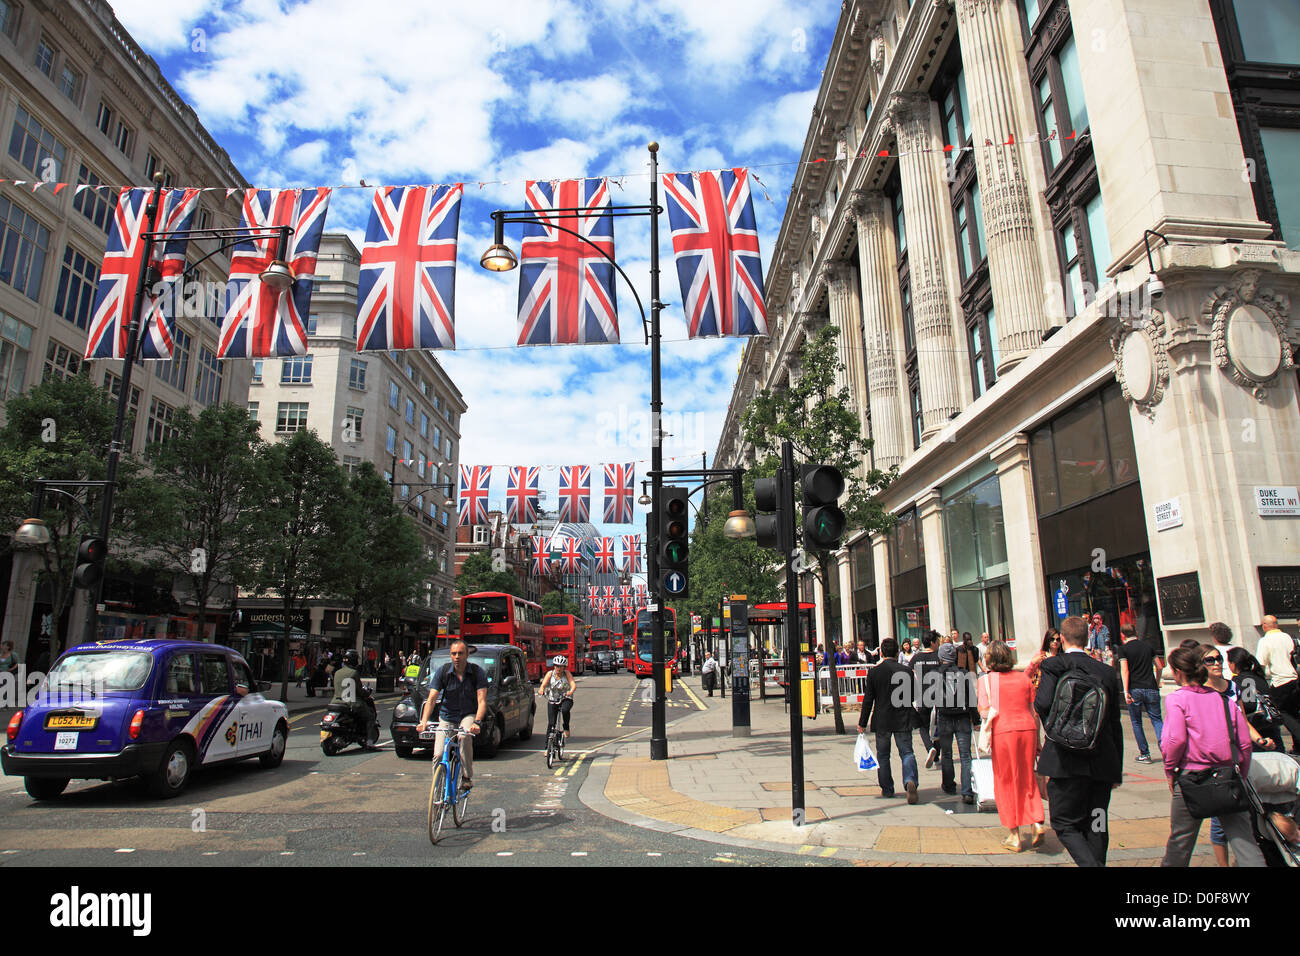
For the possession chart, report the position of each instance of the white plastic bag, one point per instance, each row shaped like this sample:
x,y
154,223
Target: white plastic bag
x,y
982,772
863,758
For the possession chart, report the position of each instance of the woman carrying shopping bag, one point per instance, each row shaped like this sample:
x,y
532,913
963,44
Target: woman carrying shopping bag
x,y
1010,733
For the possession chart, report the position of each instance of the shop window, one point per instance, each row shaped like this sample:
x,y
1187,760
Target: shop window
x,y
1083,452
1282,152
1270,31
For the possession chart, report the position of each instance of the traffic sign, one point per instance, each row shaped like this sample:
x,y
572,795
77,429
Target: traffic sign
x,y
674,582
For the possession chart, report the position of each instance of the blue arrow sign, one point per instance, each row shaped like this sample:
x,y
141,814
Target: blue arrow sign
x,y
675,582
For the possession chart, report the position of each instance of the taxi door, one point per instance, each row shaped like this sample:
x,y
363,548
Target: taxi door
x,y
179,694
255,716
519,691
218,733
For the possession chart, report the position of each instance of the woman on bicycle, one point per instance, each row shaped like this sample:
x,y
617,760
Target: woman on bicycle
x,y
557,687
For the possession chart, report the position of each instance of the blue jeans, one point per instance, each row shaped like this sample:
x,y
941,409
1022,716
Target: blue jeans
x,y
960,727
903,738
1148,700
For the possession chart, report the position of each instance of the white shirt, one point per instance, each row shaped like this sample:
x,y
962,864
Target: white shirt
x,y
1274,654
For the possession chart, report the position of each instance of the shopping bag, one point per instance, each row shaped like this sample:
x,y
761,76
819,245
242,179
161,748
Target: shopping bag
x,y
982,771
863,758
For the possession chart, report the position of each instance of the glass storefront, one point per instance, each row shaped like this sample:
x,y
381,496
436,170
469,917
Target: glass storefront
x,y
1123,593
911,622
977,554
911,611
862,566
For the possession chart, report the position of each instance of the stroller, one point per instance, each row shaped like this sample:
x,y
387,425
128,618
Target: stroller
x,y
1273,787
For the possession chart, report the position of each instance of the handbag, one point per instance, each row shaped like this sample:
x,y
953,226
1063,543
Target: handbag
x,y
1215,791
984,744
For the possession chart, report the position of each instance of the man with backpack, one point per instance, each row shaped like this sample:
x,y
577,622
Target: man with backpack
x,y
1279,654
925,666
1079,703
956,710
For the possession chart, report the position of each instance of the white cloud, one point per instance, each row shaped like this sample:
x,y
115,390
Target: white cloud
x,y
782,125
584,104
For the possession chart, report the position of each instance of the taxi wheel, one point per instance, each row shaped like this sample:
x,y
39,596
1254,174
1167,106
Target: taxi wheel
x,y
526,730
403,752
491,742
279,741
174,772
45,788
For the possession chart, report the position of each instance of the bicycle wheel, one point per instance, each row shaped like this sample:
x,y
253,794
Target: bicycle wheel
x,y
436,801
458,809
550,751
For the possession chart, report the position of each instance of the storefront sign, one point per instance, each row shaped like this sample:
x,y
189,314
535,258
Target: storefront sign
x,y
1062,605
1169,514
913,618
259,618
1277,501
443,623
337,621
1280,591
1180,599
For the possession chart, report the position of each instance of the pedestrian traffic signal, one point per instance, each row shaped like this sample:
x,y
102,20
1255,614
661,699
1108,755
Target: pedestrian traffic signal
x,y
90,561
770,528
674,549
823,521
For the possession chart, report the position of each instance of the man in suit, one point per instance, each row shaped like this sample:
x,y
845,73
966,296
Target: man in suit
x,y
887,700
1079,782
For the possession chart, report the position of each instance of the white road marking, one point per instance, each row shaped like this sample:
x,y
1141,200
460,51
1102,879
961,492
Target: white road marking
x,y
125,850
359,854
505,853
286,852
211,852
651,853
578,853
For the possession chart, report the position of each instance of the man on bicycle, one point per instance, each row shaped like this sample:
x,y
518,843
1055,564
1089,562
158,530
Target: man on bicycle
x,y
462,687
557,687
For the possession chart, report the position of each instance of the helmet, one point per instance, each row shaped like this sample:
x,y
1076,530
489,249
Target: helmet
x,y
352,659
560,661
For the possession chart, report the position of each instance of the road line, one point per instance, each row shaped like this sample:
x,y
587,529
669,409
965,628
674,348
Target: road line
x,y
698,703
578,853
125,850
576,764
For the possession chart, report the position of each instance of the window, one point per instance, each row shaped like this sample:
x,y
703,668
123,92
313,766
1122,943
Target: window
x,y
906,548
22,257
15,349
437,402
1083,246
123,137
449,456
296,370
36,148
351,464
311,324
60,362
1058,84
71,82
290,417
104,119
253,408
113,384
953,103
353,420
257,372
394,394
176,372
160,422
421,460
357,375
1083,452
93,203
981,337
390,440
437,437
216,674
9,13
406,492
45,56
76,291
152,164
410,412
408,452
1269,31
410,372
424,427
207,383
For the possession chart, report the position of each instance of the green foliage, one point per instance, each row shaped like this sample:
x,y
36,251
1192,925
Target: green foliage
x,y
557,602
476,575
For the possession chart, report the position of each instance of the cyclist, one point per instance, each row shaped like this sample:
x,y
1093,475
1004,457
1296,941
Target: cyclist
x,y
462,687
557,687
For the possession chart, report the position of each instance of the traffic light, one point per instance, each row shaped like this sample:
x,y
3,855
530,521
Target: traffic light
x,y
674,531
823,521
90,561
770,528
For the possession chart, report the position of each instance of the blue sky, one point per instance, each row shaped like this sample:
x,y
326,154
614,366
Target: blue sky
x,y
329,92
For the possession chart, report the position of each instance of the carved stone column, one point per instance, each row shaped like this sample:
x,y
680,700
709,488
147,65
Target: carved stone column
x,y
846,315
925,203
882,369
1014,268
884,586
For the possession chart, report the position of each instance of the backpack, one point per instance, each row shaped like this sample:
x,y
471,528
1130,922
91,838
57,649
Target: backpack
x,y
1078,711
956,696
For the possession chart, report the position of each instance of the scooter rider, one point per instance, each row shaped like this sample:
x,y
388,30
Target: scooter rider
x,y
348,690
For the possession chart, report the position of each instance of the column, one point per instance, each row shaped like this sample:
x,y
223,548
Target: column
x,y
846,315
1024,556
926,208
884,586
876,268
848,624
988,57
930,507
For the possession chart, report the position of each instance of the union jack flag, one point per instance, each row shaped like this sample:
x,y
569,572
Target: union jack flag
x,y
619,480
262,321
575,493
521,495
591,592
605,559
640,593
566,287
603,606
541,554
474,481
626,592
406,289
571,556
609,588
715,242
631,555
120,274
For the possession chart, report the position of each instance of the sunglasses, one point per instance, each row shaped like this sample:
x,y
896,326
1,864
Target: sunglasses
x,y
1216,659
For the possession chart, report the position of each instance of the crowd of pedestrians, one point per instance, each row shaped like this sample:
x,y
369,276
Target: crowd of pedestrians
x,y
1052,737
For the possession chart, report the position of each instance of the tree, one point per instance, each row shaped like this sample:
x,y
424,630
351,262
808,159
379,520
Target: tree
x,y
60,431
303,503
819,420
476,574
557,602
198,512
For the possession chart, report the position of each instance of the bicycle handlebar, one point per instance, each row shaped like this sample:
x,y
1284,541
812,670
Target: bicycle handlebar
x,y
431,733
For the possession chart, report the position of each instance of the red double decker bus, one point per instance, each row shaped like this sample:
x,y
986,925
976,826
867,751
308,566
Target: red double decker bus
x,y
643,637
629,644
491,617
565,634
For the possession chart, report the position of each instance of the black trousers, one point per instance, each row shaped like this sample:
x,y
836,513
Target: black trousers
x,y
1287,700
552,709
1080,817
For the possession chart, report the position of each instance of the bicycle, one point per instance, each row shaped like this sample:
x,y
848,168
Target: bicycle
x,y
444,790
555,738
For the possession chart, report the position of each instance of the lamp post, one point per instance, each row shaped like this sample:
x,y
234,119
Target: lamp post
x,y
278,275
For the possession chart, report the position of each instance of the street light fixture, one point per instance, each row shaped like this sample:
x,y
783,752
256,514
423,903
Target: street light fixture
x,y
32,533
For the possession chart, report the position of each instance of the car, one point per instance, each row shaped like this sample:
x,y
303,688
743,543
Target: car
x,y
602,662
511,704
155,709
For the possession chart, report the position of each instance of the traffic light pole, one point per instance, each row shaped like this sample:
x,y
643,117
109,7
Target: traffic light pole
x,y
794,679
659,709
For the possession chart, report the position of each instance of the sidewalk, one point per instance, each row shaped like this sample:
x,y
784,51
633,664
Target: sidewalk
x,y
736,790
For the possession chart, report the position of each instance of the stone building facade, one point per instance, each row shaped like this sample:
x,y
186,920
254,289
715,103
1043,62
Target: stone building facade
x,y
1059,241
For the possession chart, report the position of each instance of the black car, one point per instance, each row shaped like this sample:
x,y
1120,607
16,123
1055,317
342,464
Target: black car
x,y
602,662
511,703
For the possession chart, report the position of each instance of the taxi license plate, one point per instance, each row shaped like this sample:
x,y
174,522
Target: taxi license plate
x,y
70,722
67,741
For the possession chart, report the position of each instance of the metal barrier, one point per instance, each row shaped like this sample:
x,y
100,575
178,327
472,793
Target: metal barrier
x,y
852,680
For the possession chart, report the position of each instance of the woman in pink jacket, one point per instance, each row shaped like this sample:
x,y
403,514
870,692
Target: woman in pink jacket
x,y
1196,737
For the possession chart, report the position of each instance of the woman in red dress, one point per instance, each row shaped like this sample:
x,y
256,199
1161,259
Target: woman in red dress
x,y
1006,702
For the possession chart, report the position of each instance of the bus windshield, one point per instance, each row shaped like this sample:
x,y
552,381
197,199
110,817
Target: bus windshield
x,y
557,620
491,610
